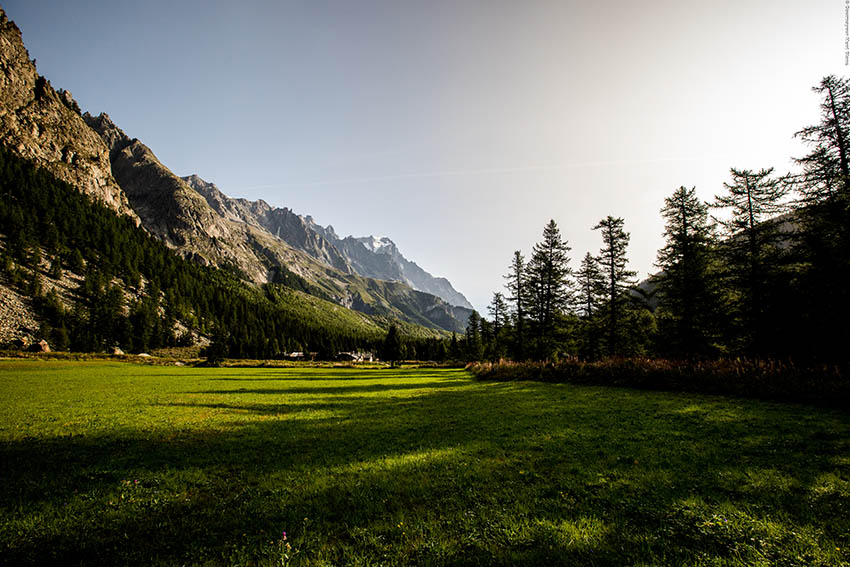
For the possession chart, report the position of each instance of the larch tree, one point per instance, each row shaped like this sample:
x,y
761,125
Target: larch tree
x,y
498,310
753,197
392,345
472,343
687,282
590,284
826,169
824,237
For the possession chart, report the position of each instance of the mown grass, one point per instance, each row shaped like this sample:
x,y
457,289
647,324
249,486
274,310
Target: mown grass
x,y
111,463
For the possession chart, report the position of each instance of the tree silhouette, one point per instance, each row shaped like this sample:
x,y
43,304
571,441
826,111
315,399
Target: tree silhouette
x,y
612,260
751,255
549,286
687,282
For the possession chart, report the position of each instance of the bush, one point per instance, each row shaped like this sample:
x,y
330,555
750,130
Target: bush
x,y
765,379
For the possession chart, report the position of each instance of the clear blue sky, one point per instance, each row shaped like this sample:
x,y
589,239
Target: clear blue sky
x,y
458,128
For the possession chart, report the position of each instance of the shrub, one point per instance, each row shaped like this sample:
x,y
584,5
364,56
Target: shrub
x,y
751,378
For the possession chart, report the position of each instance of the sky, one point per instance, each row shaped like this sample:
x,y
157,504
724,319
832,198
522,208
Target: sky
x,y
457,128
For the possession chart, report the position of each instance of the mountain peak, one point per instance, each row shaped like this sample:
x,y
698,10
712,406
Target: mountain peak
x,y
44,126
375,244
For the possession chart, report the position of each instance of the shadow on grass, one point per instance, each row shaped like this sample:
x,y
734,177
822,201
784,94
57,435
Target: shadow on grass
x,y
461,473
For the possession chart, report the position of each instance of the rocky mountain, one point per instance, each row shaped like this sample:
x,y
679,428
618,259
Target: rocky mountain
x,y
170,209
293,229
258,242
261,242
383,260
369,256
44,126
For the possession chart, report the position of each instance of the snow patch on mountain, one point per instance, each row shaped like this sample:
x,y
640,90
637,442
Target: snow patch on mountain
x,y
375,244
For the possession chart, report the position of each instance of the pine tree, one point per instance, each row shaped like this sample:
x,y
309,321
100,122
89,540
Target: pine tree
x,y
549,286
612,260
826,170
473,337
687,283
454,347
823,247
591,286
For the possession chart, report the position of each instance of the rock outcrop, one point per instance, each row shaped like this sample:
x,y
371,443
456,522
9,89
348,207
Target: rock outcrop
x,y
44,125
172,210
295,230
17,321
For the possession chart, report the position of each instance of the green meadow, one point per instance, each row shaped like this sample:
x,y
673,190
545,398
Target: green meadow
x,y
119,464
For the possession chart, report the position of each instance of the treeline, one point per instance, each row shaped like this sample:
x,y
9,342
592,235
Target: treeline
x,y
769,279
135,293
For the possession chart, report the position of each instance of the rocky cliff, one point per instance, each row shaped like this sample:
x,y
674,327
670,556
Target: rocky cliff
x,y
381,258
44,126
293,229
172,210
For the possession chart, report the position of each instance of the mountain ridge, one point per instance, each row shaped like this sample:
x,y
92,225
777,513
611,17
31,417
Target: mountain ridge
x,y
252,239
350,254
41,124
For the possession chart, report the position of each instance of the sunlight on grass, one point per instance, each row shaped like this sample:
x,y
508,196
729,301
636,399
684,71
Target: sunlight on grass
x,y
121,464
407,460
581,533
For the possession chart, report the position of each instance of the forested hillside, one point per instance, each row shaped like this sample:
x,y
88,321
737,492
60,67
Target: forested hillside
x,y
133,292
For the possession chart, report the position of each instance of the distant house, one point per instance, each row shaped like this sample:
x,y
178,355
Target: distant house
x,y
355,357
299,356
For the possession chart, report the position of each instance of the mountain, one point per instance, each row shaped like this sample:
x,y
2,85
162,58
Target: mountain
x,y
262,243
384,261
75,273
259,243
370,257
44,126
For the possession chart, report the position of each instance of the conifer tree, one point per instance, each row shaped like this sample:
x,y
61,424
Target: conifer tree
x,y
591,286
591,290
473,337
612,260
516,286
549,286
687,282
823,247
826,169
498,310
454,347
753,197
392,345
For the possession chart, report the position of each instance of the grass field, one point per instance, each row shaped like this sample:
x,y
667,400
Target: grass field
x,y
110,463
